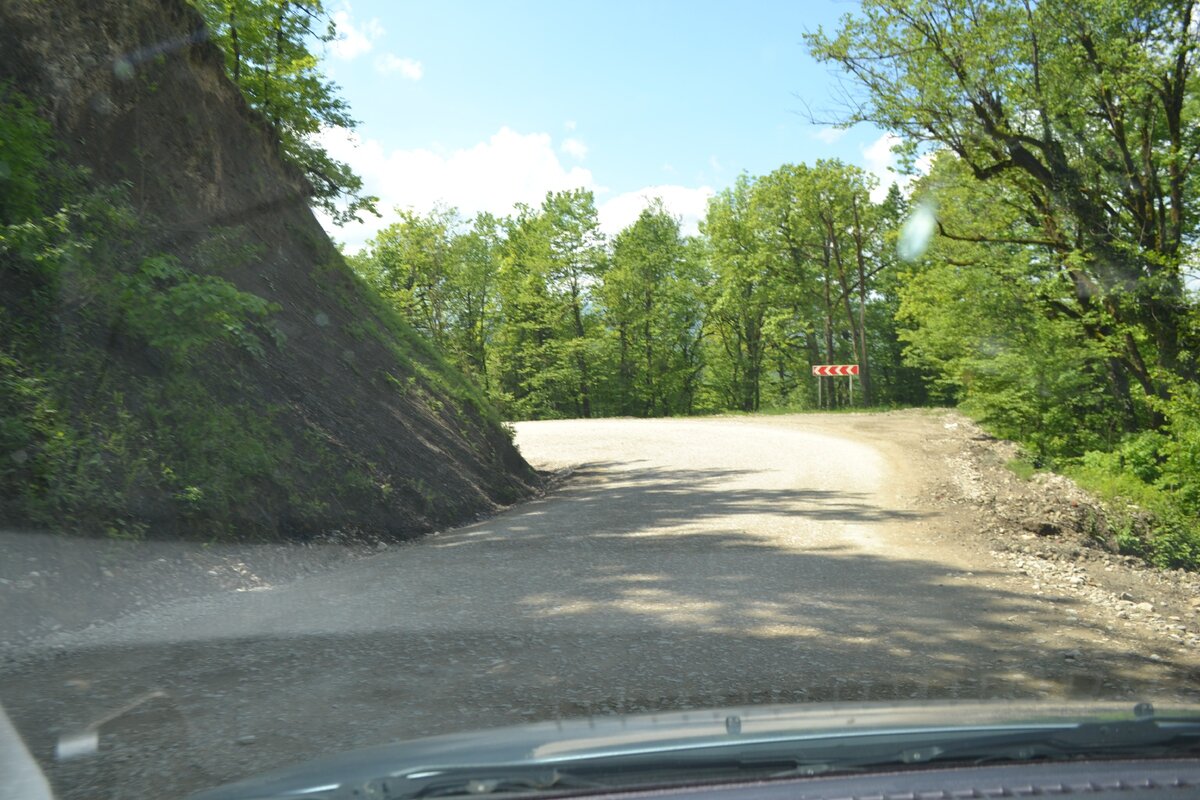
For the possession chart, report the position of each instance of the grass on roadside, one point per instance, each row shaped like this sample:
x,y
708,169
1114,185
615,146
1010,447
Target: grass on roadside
x,y
1146,521
1022,468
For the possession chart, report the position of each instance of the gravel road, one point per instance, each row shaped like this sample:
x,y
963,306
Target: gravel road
x,y
676,563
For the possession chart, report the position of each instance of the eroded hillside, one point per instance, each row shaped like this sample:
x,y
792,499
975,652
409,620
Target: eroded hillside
x,y
317,410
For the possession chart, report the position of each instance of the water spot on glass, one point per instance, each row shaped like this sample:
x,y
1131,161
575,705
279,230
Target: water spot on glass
x,y
77,745
917,232
5,170
321,319
20,456
123,68
102,104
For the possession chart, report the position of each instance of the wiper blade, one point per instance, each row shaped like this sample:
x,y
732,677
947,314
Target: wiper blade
x,y
493,781
1141,738
518,782
608,774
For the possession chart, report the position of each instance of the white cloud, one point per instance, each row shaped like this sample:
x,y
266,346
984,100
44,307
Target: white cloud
x,y
492,175
880,161
410,68
569,125
924,162
574,147
687,203
353,40
829,135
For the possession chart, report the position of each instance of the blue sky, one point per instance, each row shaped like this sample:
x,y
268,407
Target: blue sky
x,y
482,104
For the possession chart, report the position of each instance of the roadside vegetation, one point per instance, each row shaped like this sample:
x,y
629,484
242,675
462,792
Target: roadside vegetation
x,y
87,440
1044,285
1038,272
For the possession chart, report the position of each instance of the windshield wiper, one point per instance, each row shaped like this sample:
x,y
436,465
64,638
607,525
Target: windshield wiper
x,y
1139,738
609,774
466,782
1145,738
516,782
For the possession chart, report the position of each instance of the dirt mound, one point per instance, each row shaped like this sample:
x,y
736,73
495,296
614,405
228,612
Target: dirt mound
x,y
386,438
1046,530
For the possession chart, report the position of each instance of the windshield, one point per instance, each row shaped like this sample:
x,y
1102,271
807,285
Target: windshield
x,y
375,371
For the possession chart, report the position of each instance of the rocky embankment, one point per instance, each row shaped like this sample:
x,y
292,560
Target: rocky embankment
x,y
1049,529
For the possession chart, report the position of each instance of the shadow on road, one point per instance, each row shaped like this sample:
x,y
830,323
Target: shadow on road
x,y
621,497
637,590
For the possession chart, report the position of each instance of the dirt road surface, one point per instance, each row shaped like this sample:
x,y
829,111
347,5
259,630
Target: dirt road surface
x,y
673,563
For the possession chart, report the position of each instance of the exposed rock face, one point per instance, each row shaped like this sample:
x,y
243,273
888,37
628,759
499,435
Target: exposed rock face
x,y
138,95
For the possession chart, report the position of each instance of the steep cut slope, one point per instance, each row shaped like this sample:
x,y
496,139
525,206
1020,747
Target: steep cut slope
x,y
355,422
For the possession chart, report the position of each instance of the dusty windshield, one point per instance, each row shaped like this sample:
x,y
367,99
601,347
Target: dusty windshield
x,y
371,371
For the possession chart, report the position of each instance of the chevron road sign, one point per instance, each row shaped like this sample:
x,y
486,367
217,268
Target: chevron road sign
x,y
835,369
826,370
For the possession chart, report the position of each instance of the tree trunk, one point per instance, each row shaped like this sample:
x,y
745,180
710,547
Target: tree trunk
x,y
237,48
584,399
829,357
864,365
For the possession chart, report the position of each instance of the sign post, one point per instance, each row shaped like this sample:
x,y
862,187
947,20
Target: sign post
x,y
824,370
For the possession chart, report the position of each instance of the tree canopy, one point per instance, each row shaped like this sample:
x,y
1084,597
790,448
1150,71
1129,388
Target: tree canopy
x,y
267,46
1080,118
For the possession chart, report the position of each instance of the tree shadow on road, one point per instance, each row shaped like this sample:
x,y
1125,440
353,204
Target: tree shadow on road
x,y
639,590
619,497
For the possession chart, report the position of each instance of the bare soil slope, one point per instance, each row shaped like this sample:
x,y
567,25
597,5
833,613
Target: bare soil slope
x,y
138,95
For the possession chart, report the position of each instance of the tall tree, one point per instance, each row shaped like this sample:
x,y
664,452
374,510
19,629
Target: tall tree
x,y
652,295
412,263
529,380
1083,112
822,235
268,55
576,260
971,315
548,341
473,295
741,298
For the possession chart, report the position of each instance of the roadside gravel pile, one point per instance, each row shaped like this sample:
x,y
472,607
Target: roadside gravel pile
x,y
1054,532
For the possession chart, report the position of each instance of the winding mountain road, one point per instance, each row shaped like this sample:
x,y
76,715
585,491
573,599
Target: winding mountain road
x,y
678,563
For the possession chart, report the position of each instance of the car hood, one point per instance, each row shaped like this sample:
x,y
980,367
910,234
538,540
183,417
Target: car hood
x,y
564,741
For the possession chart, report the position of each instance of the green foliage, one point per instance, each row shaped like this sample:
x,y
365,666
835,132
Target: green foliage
x,y
801,267
266,45
739,300
183,314
25,152
1142,455
89,446
1179,454
653,306
1023,469
412,264
793,269
1148,522
1076,121
510,302
996,332
85,443
215,457
1025,376
27,423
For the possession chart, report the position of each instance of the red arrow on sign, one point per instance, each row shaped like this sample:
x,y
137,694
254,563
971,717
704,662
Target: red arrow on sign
x,y
835,369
